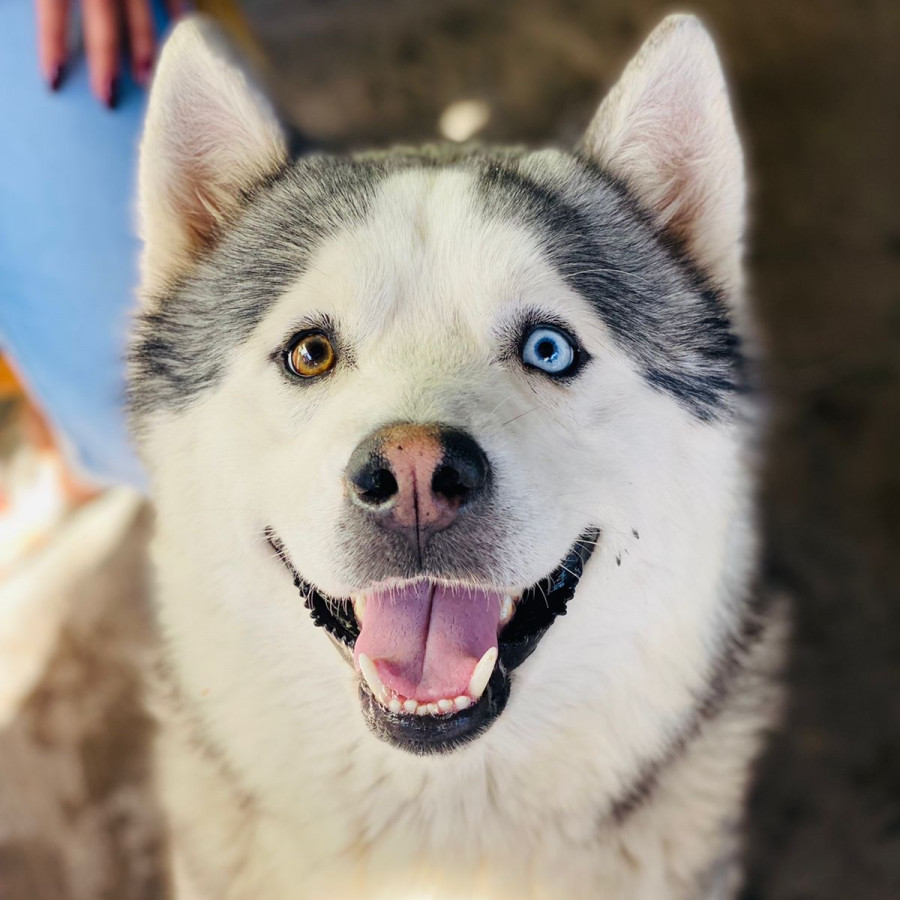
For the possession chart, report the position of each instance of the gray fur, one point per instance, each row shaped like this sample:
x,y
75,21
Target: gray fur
x,y
659,307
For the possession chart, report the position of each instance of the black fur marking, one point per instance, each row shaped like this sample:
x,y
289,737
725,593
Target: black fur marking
x,y
182,343
660,309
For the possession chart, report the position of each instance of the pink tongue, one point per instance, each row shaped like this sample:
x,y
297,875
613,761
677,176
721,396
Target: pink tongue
x,y
426,639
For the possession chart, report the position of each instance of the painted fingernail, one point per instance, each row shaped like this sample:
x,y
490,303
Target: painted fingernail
x,y
143,69
111,98
56,78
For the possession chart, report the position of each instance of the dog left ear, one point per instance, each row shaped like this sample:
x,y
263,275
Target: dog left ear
x,y
666,130
210,136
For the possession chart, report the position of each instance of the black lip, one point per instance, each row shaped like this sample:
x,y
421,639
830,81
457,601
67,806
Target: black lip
x,y
536,611
425,735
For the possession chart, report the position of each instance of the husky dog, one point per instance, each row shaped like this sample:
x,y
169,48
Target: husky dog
x,y
452,453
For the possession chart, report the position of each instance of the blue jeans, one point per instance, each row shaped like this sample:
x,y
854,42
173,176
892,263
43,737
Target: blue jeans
x,y
68,246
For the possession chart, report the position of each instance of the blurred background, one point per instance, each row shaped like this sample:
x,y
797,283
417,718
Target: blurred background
x,y
816,86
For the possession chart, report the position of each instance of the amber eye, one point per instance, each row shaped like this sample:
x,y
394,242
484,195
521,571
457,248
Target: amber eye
x,y
310,355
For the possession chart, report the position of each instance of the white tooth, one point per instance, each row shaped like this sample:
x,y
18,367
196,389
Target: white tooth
x,y
445,705
422,709
462,702
506,610
410,706
395,705
370,673
482,674
432,709
359,607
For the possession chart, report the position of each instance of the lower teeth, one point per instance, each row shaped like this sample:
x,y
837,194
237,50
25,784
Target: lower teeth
x,y
445,706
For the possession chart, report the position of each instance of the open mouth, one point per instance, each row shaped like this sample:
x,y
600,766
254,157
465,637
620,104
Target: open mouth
x,y
434,658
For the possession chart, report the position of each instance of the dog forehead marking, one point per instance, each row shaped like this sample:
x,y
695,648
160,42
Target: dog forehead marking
x,y
427,251
658,309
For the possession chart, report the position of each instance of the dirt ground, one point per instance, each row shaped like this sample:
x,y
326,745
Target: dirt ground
x,y
816,85
817,89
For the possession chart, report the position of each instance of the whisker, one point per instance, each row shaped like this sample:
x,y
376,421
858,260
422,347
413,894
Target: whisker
x,y
519,416
540,585
507,399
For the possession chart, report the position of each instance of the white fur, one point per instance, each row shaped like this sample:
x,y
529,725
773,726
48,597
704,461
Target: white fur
x,y
209,132
298,799
667,130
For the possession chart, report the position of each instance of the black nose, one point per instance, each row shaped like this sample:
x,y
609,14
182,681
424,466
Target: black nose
x,y
372,480
463,470
417,477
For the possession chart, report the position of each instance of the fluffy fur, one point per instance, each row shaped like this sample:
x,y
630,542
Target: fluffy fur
x,y
619,766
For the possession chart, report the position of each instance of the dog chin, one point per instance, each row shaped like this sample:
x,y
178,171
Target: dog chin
x,y
434,657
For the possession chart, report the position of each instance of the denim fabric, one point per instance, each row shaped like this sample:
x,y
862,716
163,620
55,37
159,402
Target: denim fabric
x,y
68,245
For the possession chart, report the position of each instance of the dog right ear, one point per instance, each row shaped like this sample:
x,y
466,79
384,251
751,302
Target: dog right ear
x,y
209,137
666,130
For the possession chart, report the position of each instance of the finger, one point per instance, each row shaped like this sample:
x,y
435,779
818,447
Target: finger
x,y
53,22
142,39
101,41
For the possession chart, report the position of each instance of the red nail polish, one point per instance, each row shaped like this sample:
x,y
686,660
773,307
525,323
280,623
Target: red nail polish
x,y
143,71
112,94
56,78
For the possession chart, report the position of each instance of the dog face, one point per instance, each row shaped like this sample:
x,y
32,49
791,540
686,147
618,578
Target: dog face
x,y
432,401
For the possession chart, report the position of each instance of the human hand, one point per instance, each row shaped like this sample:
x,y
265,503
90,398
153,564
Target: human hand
x,y
106,22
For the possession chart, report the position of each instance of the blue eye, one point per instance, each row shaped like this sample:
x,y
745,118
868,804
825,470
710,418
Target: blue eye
x,y
549,350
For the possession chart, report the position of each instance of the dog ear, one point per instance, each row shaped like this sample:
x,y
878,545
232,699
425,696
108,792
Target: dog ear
x,y
666,130
210,135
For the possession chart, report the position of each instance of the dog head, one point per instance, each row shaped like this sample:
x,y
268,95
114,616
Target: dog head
x,y
429,401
